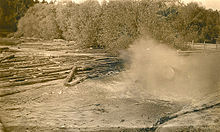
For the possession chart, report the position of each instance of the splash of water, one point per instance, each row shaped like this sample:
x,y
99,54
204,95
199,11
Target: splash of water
x,y
158,70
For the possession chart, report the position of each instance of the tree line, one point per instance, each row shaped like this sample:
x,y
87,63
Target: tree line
x,y
11,11
117,24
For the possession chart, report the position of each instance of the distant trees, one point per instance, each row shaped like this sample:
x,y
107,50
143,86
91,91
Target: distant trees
x,y
88,23
118,24
39,22
114,25
197,23
11,11
66,18
79,22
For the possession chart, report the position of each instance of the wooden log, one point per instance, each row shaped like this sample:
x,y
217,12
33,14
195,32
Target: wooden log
x,y
15,77
23,62
29,74
76,81
15,61
104,58
3,49
5,74
36,65
71,75
7,57
83,72
51,74
86,68
24,77
56,70
32,81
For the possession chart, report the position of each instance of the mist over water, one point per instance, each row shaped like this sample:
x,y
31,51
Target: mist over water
x,y
158,70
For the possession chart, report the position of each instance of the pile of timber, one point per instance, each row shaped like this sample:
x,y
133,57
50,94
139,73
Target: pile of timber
x,y
96,67
26,70
20,66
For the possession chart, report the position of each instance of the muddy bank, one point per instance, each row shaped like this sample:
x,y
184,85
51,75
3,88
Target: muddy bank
x,y
89,106
101,105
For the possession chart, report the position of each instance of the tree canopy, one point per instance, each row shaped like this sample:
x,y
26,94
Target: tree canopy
x,y
11,11
117,24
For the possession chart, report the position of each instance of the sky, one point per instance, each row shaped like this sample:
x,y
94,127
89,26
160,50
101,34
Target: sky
x,y
213,4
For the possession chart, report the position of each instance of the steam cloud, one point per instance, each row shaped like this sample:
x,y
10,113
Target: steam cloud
x,y
159,71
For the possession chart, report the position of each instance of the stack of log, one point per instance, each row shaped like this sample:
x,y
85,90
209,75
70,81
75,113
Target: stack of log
x,y
28,63
24,70
96,68
28,67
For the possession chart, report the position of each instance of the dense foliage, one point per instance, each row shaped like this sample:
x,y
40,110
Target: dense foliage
x,y
196,23
116,24
11,11
39,22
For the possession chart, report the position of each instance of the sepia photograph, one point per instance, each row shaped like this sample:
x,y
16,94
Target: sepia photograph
x,y
109,65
